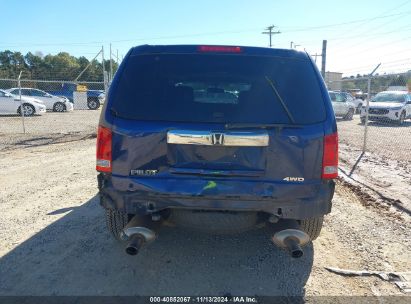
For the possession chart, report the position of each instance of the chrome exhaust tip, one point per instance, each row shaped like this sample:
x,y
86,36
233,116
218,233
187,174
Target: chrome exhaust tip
x,y
137,233
292,240
136,242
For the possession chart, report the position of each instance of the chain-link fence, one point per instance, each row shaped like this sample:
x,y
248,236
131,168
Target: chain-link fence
x,y
67,107
50,108
374,114
374,128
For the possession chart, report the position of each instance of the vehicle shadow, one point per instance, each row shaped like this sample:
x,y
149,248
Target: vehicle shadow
x,y
75,255
19,116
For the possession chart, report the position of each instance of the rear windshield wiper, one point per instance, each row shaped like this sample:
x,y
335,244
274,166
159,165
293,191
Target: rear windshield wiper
x,y
290,117
260,125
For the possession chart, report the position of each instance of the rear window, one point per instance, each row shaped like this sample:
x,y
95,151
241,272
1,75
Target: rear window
x,y
213,88
336,97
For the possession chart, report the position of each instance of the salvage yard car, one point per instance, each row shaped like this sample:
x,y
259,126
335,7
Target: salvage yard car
x,y
343,105
11,104
53,103
355,100
391,106
217,138
95,98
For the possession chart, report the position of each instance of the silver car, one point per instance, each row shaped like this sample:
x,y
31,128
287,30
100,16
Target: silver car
x,y
53,103
11,104
394,106
343,106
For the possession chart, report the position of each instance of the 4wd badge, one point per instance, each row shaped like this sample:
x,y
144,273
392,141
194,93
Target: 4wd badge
x,y
293,179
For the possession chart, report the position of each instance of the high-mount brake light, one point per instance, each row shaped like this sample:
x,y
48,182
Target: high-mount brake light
x,y
104,148
330,157
219,49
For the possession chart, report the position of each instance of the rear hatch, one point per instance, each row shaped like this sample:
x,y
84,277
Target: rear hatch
x,y
217,113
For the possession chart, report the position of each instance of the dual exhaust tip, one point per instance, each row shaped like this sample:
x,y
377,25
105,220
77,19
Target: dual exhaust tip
x,y
139,230
289,236
292,240
136,242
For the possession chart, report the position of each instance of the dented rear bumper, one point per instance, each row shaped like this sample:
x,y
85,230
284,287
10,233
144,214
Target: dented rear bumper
x,y
149,195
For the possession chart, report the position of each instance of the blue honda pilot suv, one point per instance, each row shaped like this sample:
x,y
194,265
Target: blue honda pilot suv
x,y
218,138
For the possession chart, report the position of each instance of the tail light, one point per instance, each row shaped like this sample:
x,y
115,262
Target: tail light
x,y
330,157
104,142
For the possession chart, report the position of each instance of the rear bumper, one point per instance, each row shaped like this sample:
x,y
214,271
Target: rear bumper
x,y
145,201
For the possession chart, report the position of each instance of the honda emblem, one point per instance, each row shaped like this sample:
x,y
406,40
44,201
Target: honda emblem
x,y
217,138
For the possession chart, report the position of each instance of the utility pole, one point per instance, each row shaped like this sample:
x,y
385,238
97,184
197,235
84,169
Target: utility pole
x,y
269,31
291,44
323,58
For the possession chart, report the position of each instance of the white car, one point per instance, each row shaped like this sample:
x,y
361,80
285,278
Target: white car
x,y
54,103
358,102
342,106
389,106
10,104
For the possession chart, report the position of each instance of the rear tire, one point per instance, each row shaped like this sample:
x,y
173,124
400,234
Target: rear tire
x,y
358,110
401,120
116,221
59,107
312,226
349,115
93,103
28,110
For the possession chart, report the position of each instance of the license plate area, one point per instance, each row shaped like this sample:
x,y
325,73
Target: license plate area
x,y
210,138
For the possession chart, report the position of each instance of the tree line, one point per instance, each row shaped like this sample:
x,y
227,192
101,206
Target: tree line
x,y
378,83
62,66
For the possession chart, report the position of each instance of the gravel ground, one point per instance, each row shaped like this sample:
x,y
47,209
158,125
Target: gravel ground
x,y
384,139
53,241
48,128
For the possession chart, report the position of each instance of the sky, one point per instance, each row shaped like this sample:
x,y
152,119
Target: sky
x,y
360,34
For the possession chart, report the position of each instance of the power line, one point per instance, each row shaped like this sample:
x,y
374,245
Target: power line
x,y
98,43
384,16
380,25
396,30
371,48
134,39
344,23
384,64
378,58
